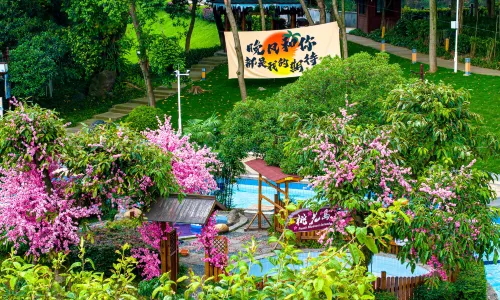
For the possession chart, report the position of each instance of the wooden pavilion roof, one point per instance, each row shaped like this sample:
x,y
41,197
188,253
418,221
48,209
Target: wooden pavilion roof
x,y
193,209
271,172
280,5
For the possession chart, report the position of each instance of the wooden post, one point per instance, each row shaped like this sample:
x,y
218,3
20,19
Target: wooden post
x,y
260,202
384,281
226,22
287,196
243,21
293,20
273,23
163,249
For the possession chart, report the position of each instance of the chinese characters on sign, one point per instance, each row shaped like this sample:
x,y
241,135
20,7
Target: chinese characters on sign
x,y
283,53
307,220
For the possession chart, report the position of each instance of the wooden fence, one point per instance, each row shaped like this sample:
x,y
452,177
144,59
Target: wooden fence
x,y
220,243
402,287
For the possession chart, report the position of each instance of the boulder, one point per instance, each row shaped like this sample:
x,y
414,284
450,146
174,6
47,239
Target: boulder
x,y
134,211
222,228
102,84
233,217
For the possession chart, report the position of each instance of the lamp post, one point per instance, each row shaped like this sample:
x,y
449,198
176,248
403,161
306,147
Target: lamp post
x,y
178,75
4,68
456,25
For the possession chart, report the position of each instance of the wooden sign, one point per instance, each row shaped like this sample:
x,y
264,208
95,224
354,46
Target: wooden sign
x,y
304,220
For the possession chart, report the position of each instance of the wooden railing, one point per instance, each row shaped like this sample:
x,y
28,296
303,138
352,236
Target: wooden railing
x,y
220,243
401,287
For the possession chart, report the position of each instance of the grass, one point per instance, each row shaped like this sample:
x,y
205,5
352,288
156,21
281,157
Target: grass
x,y
220,96
205,34
485,95
222,93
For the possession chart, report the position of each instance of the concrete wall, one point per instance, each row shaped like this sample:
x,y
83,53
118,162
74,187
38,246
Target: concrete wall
x,y
350,17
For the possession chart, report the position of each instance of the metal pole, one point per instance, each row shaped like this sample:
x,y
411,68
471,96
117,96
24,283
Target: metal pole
x,y
456,40
179,99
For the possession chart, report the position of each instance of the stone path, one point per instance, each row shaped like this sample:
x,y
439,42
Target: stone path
x,y
118,111
423,58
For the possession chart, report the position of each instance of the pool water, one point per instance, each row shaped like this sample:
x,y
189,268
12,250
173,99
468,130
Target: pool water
x,y
392,266
245,192
193,229
493,271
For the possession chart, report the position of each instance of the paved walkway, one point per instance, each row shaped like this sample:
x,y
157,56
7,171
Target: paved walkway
x,y
121,110
423,58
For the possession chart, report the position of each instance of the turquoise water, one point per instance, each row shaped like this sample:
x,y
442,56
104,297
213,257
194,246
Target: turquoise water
x,y
493,272
392,266
245,192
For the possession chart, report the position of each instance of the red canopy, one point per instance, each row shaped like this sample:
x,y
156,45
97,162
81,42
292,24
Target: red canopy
x,y
270,172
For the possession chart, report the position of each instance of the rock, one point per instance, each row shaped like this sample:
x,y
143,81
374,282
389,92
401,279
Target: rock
x,y
222,228
261,89
102,84
232,217
136,213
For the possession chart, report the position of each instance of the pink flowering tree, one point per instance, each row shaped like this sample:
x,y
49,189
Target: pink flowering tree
x,y
35,208
451,223
193,168
353,168
148,259
114,165
205,241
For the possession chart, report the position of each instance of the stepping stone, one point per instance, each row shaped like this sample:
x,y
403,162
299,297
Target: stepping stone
x,y
143,101
127,105
109,116
169,88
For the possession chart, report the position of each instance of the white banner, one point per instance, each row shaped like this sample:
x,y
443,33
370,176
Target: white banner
x,y
283,53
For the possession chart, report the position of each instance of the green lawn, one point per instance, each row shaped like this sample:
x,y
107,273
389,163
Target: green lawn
x,y
222,93
205,33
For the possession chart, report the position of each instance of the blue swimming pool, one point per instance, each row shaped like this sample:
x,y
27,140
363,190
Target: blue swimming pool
x,y
493,271
245,192
391,266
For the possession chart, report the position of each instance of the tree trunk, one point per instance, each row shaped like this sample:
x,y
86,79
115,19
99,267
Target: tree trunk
x,y
239,53
187,47
460,15
262,16
432,36
322,11
382,17
476,8
341,23
306,12
490,4
143,57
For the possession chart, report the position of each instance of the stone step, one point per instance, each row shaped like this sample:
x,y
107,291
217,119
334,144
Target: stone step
x,y
219,59
220,53
74,129
127,105
143,101
89,121
207,64
168,88
165,92
121,110
200,67
109,116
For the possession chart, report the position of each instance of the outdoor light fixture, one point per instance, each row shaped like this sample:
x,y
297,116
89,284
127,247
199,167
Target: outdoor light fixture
x,y
178,75
4,68
138,53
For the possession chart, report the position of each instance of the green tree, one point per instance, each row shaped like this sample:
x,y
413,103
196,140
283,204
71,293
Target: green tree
x,y
433,124
263,126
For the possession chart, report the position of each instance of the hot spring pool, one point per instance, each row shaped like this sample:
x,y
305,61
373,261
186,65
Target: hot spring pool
x,y
245,192
193,229
380,263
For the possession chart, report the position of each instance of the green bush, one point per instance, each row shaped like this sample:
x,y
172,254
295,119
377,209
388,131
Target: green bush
x,y
264,126
385,296
444,291
146,287
103,250
144,117
471,283
195,55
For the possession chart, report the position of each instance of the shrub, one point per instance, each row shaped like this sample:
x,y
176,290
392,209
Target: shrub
x,y
471,283
444,291
103,251
195,55
146,287
144,117
264,126
385,296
